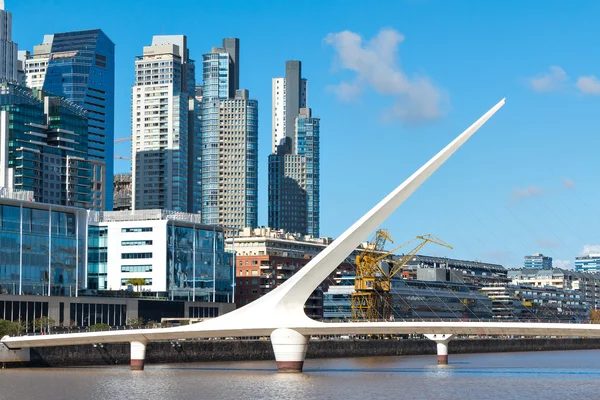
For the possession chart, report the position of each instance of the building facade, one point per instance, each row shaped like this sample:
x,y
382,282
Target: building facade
x,y
587,284
294,166
44,147
538,260
42,247
589,263
537,304
80,66
228,169
8,48
163,121
175,255
122,192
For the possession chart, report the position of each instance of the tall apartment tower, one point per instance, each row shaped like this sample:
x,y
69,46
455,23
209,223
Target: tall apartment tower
x,y
8,48
163,123
294,163
229,143
80,66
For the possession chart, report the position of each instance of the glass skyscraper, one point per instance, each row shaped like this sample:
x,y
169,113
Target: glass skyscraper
x,y
44,147
295,161
228,169
81,67
8,48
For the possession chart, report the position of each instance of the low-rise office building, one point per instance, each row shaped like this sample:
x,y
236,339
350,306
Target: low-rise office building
x,y
170,254
473,272
534,303
589,263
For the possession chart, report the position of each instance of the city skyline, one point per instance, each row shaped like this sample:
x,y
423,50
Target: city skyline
x,y
528,194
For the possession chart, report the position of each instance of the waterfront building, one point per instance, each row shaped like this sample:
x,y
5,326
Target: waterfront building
x,y
587,284
80,66
84,311
538,260
533,303
589,263
413,299
294,165
44,147
266,258
173,253
163,121
42,246
8,48
122,192
473,272
228,169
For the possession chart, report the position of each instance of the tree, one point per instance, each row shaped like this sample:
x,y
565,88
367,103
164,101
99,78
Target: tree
x,y
595,316
10,328
44,324
135,322
98,328
137,282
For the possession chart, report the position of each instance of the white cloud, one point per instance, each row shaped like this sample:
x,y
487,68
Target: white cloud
x,y
550,81
588,84
377,65
568,183
590,249
564,264
530,191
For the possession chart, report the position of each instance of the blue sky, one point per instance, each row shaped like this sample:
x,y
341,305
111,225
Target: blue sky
x,y
412,75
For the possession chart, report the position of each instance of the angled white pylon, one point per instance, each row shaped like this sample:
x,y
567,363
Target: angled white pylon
x,y
284,306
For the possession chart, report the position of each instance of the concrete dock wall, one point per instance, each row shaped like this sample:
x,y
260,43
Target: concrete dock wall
x,y
245,350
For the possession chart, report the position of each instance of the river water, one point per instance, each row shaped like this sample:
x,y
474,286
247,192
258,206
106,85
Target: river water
x,y
499,376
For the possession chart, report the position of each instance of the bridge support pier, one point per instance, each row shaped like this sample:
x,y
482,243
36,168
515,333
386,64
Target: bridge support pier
x,y
290,349
442,346
138,355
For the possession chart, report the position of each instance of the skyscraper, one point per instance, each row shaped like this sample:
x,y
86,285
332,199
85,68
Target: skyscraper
x,y
294,163
229,143
163,124
81,67
44,147
8,48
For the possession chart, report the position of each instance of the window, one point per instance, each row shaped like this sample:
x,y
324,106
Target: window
x,y
136,268
135,255
136,242
134,230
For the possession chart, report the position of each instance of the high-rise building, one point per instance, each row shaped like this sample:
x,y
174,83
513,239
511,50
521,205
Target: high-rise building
x,y
163,123
8,48
538,260
228,168
294,164
44,147
81,67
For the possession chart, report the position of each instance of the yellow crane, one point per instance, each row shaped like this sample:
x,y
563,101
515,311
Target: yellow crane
x,y
371,299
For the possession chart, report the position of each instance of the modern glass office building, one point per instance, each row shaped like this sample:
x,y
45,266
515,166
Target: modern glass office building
x,y
589,263
42,247
81,67
173,253
44,147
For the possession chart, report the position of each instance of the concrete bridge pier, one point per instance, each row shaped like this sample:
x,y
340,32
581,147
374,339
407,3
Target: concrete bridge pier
x,y
290,349
442,346
138,355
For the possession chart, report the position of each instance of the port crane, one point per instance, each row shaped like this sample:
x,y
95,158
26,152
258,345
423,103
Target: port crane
x,y
371,299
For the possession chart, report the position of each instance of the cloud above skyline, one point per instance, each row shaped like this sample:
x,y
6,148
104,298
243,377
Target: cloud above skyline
x,y
588,84
531,191
553,80
376,65
564,264
556,80
590,249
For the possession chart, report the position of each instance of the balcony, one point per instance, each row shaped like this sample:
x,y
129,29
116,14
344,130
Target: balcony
x,y
285,268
